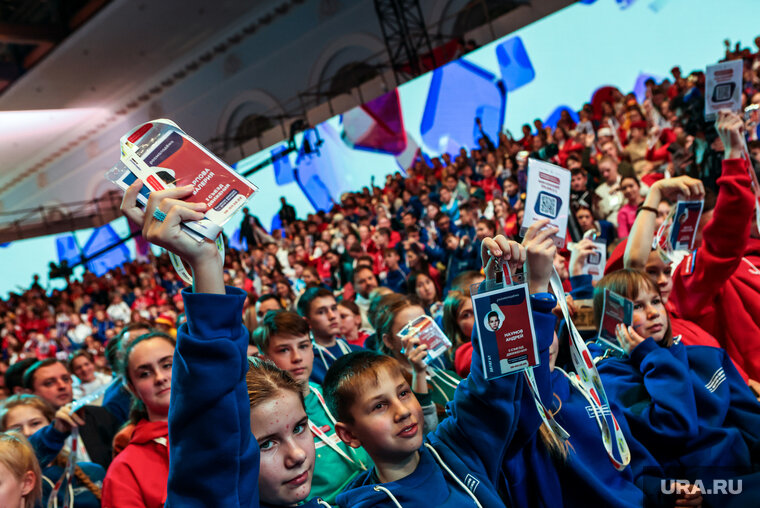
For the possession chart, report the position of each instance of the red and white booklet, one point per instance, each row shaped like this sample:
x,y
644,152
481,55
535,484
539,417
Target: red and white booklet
x,y
163,156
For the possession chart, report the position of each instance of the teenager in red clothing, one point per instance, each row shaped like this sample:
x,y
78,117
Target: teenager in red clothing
x,y
707,295
720,288
137,476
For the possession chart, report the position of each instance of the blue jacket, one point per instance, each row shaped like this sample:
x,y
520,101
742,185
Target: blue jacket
x,y
586,477
463,457
117,401
214,458
395,280
324,357
690,407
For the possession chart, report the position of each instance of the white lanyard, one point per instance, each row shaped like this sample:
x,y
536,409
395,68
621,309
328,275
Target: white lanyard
x,y
590,384
66,477
320,434
546,416
322,349
444,377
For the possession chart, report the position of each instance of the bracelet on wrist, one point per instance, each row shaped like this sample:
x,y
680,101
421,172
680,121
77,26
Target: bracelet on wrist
x,y
647,208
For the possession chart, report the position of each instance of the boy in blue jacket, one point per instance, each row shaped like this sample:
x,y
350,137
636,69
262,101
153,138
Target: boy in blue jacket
x,y
459,464
320,309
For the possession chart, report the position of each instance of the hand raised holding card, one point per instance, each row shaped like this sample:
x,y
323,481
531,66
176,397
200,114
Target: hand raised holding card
x,y
168,206
497,250
579,254
540,250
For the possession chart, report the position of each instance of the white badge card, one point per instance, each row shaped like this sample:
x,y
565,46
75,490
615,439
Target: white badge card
x,y
548,197
616,310
427,331
685,224
504,322
596,261
723,87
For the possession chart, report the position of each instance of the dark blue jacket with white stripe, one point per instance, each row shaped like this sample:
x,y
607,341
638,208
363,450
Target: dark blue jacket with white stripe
x,y
688,406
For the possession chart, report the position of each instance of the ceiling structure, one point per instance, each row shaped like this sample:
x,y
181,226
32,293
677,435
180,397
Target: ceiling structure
x,y
77,74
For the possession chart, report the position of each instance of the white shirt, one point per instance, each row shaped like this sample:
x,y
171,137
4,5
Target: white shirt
x,y
119,312
83,389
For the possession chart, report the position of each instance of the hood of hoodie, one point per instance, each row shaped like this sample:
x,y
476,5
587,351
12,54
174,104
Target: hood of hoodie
x,y
426,486
753,248
146,431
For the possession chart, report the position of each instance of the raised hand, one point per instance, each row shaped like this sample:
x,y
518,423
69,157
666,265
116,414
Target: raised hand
x,y
415,354
579,254
540,250
730,127
686,186
203,257
499,249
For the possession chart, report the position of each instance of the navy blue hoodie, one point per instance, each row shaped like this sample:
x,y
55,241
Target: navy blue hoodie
x,y
214,458
463,457
690,407
586,477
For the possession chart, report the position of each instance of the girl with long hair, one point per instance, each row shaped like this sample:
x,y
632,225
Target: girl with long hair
x,y
138,474
27,414
19,472
687,405
225,435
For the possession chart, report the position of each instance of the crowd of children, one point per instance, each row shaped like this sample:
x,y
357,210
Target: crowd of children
x,y
281,377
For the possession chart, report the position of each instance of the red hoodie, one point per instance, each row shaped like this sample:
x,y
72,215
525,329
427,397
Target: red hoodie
x,y
720,288
137,476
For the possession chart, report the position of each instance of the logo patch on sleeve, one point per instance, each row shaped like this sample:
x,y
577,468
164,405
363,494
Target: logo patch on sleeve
x,y
471,482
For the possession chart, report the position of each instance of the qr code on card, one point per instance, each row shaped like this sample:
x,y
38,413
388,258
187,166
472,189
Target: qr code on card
x,y
547,205
723,92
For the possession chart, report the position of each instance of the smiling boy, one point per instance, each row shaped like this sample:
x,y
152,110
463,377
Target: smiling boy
x,y
459,464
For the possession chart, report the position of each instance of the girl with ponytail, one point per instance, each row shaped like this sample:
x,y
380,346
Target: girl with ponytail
x,y
138,475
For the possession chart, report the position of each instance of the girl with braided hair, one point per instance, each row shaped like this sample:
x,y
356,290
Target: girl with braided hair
x,y
28,413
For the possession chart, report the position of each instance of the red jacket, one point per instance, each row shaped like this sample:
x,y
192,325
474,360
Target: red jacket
x,y
720,288
137,476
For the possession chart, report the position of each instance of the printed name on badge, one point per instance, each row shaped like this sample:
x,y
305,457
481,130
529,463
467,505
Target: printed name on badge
x,y
504,322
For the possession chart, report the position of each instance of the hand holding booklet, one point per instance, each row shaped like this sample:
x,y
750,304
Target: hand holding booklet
x,y
163,156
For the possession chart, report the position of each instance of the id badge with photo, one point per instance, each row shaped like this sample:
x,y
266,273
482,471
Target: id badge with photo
x,y
616,310
429,333
504,321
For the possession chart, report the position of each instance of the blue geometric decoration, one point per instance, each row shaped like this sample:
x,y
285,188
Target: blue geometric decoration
x,y
101,238
235,241
552,119
67,249
283,170
448,122
514,63
276,222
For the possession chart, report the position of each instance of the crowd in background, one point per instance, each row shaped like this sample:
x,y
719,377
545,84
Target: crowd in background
x,y
418,234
